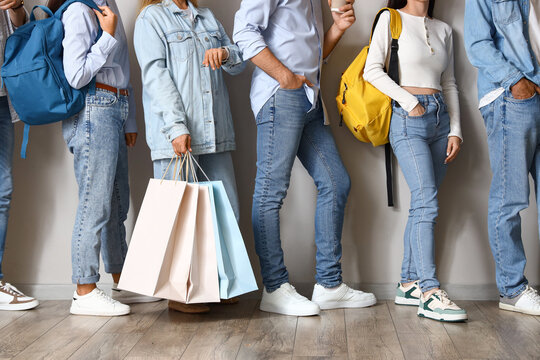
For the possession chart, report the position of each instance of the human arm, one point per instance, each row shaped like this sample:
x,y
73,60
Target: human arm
x,y
228,56
342,21
165,99
251,21
376,61
83,58
480,45
16,11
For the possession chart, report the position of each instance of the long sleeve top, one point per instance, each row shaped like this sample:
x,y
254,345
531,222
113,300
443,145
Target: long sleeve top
x,y
426,60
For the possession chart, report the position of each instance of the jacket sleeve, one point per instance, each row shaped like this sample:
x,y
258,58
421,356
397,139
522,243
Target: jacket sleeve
x,y
234,64
480,46
165,99
250,22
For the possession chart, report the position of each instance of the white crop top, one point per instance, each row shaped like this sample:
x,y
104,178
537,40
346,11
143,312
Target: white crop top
x,y
426,60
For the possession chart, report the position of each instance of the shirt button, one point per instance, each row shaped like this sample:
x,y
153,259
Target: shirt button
x,y
206,39
179,37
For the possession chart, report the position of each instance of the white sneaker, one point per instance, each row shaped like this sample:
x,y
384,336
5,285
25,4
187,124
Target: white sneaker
x,y
287,301
12,299
528,302
128,297
341,297
97,303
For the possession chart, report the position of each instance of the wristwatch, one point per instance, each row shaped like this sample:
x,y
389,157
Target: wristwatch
x,y
20,6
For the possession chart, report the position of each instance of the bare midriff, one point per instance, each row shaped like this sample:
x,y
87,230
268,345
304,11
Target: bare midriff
x,y
421,91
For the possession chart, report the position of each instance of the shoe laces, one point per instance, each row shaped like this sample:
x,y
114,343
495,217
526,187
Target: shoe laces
x,y
532,294
10,289
104,297
443,296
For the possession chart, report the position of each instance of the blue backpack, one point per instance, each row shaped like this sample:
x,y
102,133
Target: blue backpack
x,y
33,72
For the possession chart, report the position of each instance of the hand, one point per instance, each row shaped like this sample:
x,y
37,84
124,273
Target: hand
x,y
418,110
524,89
293,81
345,17
131,139
214,58
182,144
107,19
9,4
452,149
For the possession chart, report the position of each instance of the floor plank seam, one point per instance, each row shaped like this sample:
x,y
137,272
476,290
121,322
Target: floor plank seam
x,y
144,333
247,327
395,329
89,337
294,340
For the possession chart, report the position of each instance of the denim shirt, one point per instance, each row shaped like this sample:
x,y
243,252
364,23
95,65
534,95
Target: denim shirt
x,y
497,43
180,95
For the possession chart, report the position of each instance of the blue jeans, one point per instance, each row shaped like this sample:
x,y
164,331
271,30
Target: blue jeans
x,y
217,167
420,143
513,128
286,128
96,138
6,181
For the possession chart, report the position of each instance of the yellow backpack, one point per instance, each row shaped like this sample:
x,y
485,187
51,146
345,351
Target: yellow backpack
x,y
363,108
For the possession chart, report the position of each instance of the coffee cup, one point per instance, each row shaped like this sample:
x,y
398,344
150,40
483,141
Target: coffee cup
x,y
338,4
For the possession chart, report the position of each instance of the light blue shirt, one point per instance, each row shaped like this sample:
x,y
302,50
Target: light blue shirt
x,y
106,59
498,44
293,31
180,95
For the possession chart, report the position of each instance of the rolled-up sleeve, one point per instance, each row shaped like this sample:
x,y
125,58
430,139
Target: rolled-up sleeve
x,y
250,22
83,58
165,99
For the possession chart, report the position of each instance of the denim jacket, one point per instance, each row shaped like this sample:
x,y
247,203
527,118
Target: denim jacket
x,y
497,42
180,95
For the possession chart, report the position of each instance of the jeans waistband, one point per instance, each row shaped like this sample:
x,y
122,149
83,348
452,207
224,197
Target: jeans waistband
x,y
437,98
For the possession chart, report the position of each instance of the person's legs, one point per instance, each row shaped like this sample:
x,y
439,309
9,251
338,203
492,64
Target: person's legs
x,y
113,236
220,167
513,127
10,297
411,139
280,124
6,180
319,155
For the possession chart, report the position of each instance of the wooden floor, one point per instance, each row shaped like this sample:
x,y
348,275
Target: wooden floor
x,y
243,332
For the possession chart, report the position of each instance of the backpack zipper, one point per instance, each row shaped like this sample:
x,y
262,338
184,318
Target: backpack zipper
x,y
63,92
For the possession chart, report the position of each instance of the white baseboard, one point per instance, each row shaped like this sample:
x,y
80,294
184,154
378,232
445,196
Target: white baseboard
x,y
382,291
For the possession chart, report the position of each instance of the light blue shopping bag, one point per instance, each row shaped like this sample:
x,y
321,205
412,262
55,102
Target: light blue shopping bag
x,y
234,268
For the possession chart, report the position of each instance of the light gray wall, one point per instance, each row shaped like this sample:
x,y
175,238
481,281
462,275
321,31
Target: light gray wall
x,y
45,199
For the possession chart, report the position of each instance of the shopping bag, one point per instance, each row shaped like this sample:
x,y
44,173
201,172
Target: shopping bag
x,y
234,268
172,252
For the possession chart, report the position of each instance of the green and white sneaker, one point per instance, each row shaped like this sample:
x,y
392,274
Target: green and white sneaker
x,y
439,307
409,295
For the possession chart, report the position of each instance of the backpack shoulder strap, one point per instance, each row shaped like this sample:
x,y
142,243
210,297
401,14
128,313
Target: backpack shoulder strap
x,y
395,23
63,8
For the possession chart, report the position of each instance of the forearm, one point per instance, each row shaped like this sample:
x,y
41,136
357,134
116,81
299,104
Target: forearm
x,y
267,62
331,39
17,16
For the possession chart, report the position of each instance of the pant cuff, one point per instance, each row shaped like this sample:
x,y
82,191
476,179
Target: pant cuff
x,y
518,292
274,287
113,269
86,280
426,288
330,285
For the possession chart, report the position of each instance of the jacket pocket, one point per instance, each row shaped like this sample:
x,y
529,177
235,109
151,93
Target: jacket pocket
x,y
180,45
506,11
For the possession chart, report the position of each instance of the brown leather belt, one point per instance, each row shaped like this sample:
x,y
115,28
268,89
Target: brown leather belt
x,y
123,92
